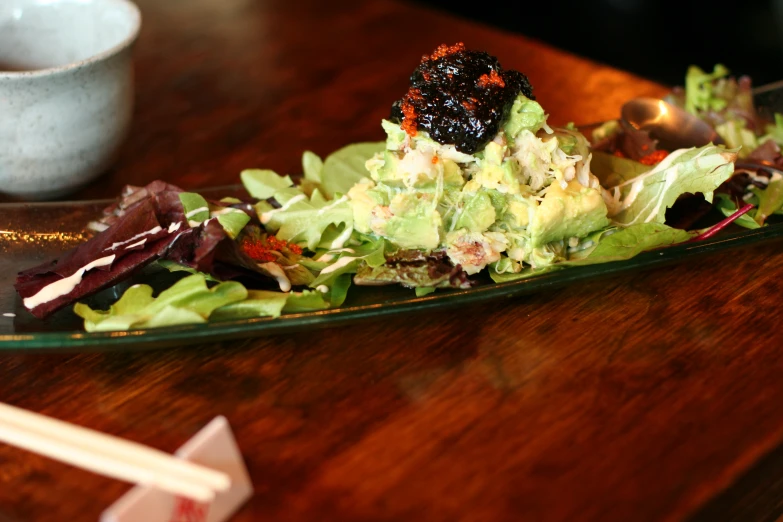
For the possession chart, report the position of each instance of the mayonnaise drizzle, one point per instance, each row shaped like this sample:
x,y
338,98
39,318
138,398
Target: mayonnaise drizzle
x,y
151,231
65,285
174,226
343,261
332,253
196,211
322,288
266,217
333,204
227,210
278,274
340,240
138,243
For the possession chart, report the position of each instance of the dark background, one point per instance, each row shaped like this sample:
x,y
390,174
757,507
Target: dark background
x,y
653,39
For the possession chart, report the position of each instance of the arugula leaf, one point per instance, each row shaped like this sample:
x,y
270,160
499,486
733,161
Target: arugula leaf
x,y
644,199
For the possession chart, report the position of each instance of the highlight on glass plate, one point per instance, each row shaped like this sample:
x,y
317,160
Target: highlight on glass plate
x,y
471,181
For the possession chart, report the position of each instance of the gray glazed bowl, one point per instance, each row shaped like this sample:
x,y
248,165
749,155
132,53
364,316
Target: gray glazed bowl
x,y
66,92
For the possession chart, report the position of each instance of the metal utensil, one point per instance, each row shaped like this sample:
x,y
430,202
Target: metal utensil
x,y
673,127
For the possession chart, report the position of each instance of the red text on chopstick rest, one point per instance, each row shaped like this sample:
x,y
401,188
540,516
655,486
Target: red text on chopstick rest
x,y
187,510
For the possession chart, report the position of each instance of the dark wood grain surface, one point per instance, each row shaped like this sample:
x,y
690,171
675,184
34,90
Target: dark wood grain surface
x,y
653,396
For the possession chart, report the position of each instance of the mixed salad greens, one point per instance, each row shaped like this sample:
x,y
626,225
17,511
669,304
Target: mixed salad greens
x,y
509,197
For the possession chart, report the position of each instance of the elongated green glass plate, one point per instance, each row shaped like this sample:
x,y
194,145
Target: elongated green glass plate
x,y
33,233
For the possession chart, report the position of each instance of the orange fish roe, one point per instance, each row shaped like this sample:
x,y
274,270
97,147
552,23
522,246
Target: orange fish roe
x,y
409,111
469,104
434,160
493,78
257,251
261,250
444,50
654,157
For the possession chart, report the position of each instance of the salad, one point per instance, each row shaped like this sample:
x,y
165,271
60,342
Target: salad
x,y
726,103
470,183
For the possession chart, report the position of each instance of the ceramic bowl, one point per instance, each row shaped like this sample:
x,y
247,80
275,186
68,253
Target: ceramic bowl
x,y
66,92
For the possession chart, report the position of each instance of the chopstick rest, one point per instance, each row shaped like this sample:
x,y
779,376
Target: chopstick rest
x,y
213,447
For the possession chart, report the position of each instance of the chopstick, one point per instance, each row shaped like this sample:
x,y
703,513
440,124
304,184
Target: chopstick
x,y
108,455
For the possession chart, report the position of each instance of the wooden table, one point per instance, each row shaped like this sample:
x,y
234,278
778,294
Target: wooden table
x,y
653,396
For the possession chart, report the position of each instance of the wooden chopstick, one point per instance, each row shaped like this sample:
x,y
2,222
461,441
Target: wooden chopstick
x,y
108,455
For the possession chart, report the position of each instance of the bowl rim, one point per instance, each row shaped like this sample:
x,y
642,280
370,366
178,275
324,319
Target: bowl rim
x,y
135,20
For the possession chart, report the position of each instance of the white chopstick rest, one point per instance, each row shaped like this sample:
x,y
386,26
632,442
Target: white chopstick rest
x,y
108,455
213,447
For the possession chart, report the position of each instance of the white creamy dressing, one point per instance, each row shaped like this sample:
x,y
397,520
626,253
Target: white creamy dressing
x,y
227,210
9,314
343,261
278,274
332,205
266,217
65,285
196,211
340,240
138,243
118,244
291,267
174,227
322,288
194,224
331,254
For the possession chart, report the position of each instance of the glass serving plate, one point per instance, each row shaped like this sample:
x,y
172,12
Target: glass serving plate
x,y
33,233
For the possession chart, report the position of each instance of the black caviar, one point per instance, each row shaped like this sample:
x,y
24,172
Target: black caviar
x,y
459,97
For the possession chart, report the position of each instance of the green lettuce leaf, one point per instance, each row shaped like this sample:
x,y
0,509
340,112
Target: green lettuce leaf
x,y
614,244
304,220
312,167
189,300
233,221
195,206
259,303
629,242
728,207
645,198
771,199
612,170
263,183
700,94
345,167
371,254
171,266
736,135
